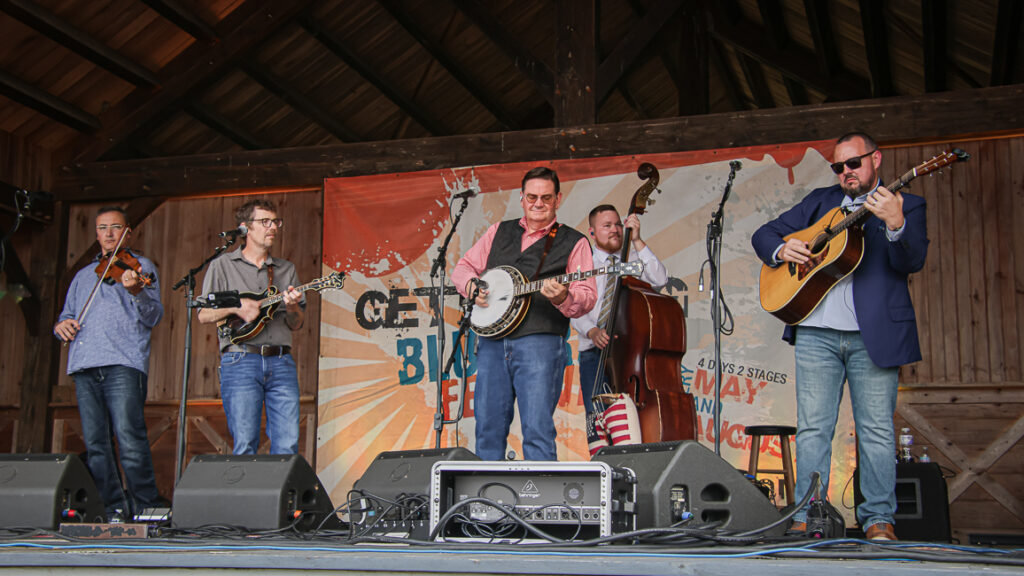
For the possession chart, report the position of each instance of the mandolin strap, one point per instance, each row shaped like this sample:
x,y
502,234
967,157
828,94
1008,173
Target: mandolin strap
x,y
270,276
547,248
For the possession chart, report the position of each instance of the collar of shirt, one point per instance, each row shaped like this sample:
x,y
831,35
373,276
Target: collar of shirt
x,y
600,256
542,231
237,255
854,203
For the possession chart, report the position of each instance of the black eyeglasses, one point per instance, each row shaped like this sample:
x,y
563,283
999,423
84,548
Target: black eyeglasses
x,y
267,222
851,163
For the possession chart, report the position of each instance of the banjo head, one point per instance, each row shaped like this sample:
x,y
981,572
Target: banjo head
x,y
502,303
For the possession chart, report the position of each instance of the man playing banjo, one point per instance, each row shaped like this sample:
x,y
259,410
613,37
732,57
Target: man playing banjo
x,y
526,365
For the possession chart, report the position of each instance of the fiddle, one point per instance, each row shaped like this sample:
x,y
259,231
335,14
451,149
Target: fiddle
x,y
113,266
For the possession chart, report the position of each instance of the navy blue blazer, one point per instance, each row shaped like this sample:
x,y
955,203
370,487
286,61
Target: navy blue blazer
x,y
881,298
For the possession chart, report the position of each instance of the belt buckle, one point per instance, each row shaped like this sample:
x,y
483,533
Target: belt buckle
x,y
266,349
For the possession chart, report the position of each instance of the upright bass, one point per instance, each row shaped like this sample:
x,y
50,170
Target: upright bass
x,y
648,340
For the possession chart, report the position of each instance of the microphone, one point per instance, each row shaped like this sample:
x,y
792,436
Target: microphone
x,y
481,284
242,230
34,196
471,192
735,165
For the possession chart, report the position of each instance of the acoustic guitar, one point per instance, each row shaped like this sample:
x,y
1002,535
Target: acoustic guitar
x,y
508,298
790,291
237,330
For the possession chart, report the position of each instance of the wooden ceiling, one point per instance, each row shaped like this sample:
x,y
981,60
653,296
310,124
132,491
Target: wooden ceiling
x,y
106,80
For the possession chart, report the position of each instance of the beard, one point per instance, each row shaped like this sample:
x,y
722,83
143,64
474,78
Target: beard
x,y
853,187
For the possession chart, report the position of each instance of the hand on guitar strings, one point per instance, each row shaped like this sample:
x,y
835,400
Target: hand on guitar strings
x,y
291,297
795,250
554,291
886,206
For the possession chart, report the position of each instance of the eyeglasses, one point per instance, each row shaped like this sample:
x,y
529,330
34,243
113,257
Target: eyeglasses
x,y
266,222
546,199
115,227
851,163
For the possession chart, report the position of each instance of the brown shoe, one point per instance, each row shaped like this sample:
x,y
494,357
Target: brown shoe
x,y
797,529
881,531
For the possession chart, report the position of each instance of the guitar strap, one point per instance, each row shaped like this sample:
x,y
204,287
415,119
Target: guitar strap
x,y
270,276
547,248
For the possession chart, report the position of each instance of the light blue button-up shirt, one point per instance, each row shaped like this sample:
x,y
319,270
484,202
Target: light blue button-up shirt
x,y
117,327
836,309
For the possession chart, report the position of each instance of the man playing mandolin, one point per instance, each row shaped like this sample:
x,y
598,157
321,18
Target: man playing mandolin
x,y
862,330
259,371
527,365
108,326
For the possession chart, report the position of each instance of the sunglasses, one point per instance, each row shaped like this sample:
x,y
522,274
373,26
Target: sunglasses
x,y
852,163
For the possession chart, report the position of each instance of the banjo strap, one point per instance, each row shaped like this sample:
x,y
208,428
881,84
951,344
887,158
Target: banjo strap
x,y
547,248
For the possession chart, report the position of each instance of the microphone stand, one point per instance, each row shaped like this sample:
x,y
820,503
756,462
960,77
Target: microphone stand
x,y
438,269
714,243
189,280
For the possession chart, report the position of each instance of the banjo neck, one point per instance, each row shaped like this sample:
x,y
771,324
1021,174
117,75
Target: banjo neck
x,y
535,286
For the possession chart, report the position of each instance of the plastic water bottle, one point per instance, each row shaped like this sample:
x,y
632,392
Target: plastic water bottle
x,y
906,441
924,455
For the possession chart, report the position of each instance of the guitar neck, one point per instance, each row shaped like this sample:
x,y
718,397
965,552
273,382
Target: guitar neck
x,y
531,287
858,215
271,300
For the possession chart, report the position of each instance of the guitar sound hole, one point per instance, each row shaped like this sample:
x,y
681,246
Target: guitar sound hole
x,y
812,263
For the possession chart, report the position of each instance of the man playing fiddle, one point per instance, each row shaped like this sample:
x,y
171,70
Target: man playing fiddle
x,y
108,358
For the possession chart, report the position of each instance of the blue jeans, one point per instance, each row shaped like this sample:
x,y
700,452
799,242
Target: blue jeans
x,y
247,382
589,360
529,370
826,358
110,403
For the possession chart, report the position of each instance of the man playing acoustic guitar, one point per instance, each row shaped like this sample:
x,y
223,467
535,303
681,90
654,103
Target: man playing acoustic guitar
x,y
259,371
861,332
527,365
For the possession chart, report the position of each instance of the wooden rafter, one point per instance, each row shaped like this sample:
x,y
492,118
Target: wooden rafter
x,y
183,18
536,70
821,32
694,62
576,101
1006,46
356,62
794,62
198,65
438,53
77,41
47,104
733,91
225,126
964,112
286,91
629,48
756,82
876,45
933,21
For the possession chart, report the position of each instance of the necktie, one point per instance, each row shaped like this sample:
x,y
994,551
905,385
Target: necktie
x,y
606,298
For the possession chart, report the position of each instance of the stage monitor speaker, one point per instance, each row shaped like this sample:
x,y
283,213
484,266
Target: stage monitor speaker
x,y
922,502
43,490
674,478
392,474
255,492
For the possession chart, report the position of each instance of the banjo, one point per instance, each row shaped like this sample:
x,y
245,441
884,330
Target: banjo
x,y
508,295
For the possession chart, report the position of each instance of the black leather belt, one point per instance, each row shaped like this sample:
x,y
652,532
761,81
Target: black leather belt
x,y
263,350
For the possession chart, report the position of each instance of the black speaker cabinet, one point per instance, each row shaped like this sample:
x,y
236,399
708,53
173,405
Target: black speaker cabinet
x,y
255,492
43,490
678,477
922,502
405,471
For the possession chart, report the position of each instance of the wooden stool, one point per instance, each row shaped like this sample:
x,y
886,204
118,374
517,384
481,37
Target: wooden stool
x,y
783,432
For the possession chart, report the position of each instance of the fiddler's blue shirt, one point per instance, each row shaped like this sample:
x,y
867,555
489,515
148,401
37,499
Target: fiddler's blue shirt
x,y
117,327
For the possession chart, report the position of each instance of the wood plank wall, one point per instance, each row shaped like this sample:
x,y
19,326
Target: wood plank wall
x,y
965,399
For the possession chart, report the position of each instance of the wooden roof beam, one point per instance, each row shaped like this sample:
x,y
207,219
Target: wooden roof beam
x,y
624,55
222,125
536,70
732,86
694,61
183,18
933,21
245,27
962,113
824,41
285,91
77,41
756,81
438,53
876,45
1007,49
774,20
364,69
576,62
795,62
47,104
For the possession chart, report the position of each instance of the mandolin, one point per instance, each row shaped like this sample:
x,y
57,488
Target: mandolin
x,y
237,330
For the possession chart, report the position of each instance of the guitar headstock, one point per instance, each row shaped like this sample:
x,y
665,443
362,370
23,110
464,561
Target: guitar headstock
x,y
634,268
333,281
942,160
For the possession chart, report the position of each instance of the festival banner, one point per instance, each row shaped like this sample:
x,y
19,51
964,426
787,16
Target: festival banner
x,y
379,353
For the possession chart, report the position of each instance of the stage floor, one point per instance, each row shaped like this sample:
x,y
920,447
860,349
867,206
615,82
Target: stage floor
x,y
45,554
